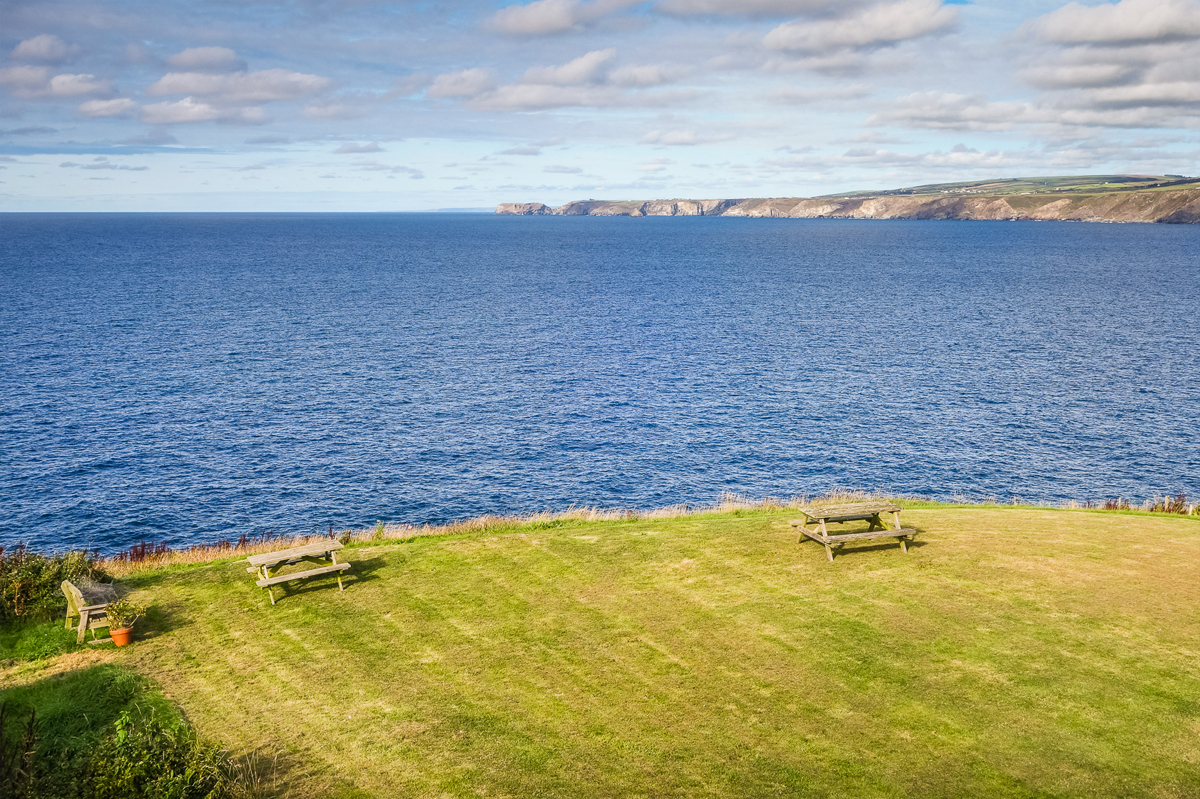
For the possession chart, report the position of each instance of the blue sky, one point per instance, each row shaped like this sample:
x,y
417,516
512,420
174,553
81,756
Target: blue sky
x,y
392,106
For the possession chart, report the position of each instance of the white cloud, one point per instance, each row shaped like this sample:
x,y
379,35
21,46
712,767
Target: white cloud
x,y
46,48
334,110
185,110
190,110
1135,63
586,81
120,107
25,81
466,83
683,138
874,27
207,59
1074,75
1125,22
754,8
102,162
645,75
657,165
154,137
588,68
241,87
375,166
673,137
370,147
547,17
797,96
947,111
1185,93
539,18
36,82
536,96
76,85
558,169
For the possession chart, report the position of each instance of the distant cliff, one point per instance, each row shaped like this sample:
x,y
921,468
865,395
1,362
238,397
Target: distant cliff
x,y
1181,206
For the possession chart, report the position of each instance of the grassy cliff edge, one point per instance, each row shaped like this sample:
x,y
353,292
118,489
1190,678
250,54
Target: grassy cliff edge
x,y
1013,652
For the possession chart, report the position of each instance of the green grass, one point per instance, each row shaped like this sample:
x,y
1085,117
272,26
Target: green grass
x,y
1068,185
36,641
1015,653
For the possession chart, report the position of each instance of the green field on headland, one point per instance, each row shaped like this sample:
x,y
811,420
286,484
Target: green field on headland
x,y
1087,198
1014,652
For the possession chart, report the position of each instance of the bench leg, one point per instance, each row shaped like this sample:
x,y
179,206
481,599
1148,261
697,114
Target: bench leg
x,y
829,552
83,623
903,545
333,560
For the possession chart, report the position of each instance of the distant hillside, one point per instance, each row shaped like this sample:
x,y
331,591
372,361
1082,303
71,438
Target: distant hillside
x,y
1091,198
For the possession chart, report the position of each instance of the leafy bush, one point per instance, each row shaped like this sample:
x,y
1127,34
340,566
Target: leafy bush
x,y
105,733
31,583
143,757
123,613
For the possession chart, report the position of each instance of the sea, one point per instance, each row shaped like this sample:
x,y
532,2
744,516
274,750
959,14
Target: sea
x,y
185,378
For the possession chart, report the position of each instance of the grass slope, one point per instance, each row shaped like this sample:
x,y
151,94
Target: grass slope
x,y
1073,184
1014,653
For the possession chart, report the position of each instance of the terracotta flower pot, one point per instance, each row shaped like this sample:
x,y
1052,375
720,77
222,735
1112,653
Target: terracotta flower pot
x,y
122,637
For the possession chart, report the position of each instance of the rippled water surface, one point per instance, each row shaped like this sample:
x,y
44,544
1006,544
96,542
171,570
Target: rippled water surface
x,y
187,378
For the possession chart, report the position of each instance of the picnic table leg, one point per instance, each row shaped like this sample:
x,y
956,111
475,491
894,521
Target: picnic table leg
x,y
266,576
333,557
825,535
901,538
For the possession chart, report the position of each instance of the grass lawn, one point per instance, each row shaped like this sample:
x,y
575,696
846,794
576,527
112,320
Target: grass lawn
x,y
1011,653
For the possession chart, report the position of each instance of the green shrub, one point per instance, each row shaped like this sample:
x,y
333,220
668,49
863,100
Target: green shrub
x,y
123,613
105,733
143,757
31,583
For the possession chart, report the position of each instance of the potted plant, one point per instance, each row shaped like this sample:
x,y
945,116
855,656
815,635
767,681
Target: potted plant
x,y
121,616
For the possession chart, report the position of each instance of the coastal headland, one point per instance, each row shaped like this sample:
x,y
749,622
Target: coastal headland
x,y
1093,198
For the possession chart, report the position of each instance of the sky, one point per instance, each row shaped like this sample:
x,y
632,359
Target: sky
x,y
369,105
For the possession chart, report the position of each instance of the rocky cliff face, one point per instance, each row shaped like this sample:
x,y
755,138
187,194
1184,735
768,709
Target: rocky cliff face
x,y
1174,206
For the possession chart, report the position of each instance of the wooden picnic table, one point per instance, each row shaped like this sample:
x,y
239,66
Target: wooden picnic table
x,y
840,513
323,554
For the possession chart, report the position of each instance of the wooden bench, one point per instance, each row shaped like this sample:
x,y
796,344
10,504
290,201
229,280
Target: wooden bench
x,y
91,614
870,511
322,554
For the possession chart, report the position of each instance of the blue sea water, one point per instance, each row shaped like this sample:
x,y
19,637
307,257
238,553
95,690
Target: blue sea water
x,y
187,378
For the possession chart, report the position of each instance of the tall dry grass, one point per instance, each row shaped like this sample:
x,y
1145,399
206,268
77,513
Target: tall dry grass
x,y
147,557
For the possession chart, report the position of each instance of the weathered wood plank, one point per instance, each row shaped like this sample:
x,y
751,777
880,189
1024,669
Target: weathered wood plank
x,y
283,578
907,532
849,511
319,548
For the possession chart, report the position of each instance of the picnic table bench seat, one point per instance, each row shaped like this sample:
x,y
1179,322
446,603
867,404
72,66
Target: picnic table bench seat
x,y
840,513
283,578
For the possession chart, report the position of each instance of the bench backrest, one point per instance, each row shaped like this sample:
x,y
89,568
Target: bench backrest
x,y
74,598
